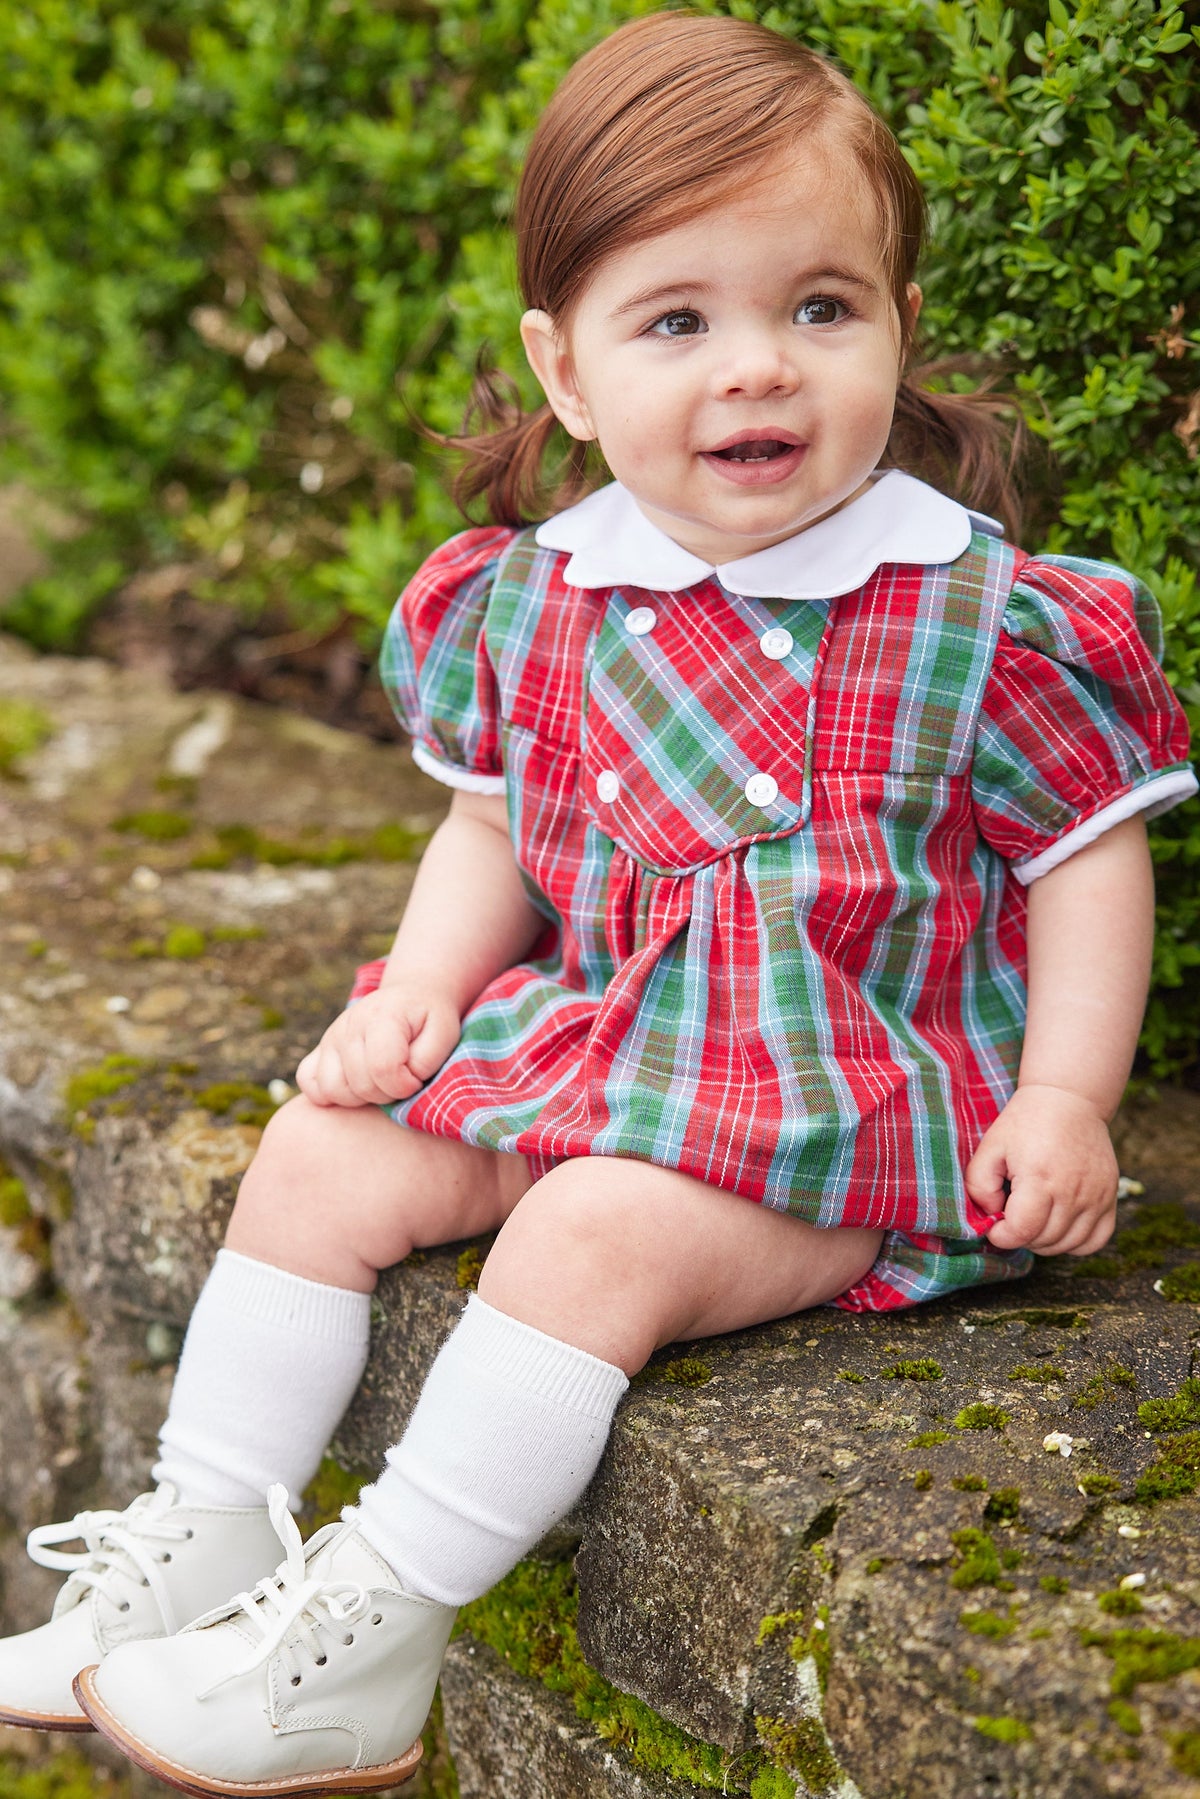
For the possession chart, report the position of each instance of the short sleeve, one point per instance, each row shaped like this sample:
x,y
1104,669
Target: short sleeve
x,y
1079,728
435,666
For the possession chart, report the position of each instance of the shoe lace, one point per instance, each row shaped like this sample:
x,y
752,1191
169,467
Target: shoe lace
x,y
292,1607
116,1542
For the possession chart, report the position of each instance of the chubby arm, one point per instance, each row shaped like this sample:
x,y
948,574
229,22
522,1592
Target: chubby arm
x,y
1090,934
467,919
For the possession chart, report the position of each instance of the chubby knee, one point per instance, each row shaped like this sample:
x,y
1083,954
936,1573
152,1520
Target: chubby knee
x,y
300,1146
583,1216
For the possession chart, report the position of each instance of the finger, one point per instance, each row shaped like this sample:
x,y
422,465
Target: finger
x,y
1099,1235
986,1176
386,1054
432,1044
1025,1217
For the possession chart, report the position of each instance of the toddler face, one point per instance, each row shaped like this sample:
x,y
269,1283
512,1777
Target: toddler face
x,y
740,370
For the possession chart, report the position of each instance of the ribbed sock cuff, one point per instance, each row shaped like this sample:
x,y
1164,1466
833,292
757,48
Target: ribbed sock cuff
x,y
536,1363
260,1290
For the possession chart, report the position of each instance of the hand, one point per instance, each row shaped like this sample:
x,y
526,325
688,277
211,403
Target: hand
x,y
382,1048
1053,1149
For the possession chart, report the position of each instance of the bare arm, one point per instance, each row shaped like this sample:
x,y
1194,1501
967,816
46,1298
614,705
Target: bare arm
x,y
467,919
1090,934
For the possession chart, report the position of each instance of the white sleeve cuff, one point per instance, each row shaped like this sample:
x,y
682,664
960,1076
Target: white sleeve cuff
x,y
1156,795
463,778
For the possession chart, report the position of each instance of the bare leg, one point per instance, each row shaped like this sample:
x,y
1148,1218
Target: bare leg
x,y
335,1194
618,1257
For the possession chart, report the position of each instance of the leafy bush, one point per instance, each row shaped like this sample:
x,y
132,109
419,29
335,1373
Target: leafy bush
x,y
244,242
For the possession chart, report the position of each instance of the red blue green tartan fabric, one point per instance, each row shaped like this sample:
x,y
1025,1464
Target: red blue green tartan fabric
x,y
815,1003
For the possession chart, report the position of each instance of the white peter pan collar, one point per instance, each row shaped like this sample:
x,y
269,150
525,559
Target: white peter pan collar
x,y
899,519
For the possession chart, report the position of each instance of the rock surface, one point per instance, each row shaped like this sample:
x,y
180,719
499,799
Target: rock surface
x,y
186,884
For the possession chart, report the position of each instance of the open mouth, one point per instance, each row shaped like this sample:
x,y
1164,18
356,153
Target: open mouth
x,y
765,449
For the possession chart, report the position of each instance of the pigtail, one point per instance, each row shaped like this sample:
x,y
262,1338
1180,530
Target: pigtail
x,y
507,453
971,445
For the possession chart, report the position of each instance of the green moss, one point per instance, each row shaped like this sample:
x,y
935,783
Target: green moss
x,y
1039,1371
774,1622
1175,1473
23,728
922,1368
1140,1656
1168,1414
1054,1583
154,824
529,1619
1120,1602
969,1483
1003,1506
803,1747
928,1439
237,933
923,1479
972,1674
989,1624
37,949
271,1019
772,1783
980,1563
686,1371
89,1086
876,1565
1004,1730
243,843
1182,1283
981,1417
849,1374
469,1267
1096,1485
1185,1752
64,1775
1040,1634
330,1488
183,943
815,1645
249,1103
1159,1228
14,1200
1097,1268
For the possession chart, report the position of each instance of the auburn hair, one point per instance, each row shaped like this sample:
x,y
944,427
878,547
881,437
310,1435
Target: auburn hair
x,y
667,117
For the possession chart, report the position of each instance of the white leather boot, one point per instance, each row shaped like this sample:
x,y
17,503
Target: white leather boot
x,y
143,1573
320,1680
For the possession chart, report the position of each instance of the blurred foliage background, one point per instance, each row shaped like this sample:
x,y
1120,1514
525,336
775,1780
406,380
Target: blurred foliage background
x,y
246,244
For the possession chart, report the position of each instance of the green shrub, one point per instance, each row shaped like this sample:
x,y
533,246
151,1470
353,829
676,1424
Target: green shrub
x,y
241,244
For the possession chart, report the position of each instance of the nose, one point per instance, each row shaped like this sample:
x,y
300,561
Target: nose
x,y
758,362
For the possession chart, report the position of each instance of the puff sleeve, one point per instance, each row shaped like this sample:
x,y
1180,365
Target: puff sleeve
x,y
1079,728
435,666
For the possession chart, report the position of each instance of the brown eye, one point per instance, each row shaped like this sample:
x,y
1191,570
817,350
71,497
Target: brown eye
x,y
679,324
822,311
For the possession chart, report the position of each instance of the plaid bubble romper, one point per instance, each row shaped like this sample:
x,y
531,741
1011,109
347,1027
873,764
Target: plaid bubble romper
x,y
779,817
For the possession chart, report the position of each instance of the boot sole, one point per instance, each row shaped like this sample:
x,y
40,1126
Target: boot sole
x,y
202,1786
45,1720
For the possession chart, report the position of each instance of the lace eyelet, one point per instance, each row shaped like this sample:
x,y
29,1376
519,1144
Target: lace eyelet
x,y
188,1534
295,1680
167,1556
124,1606
321,1660
378,1618
347,1641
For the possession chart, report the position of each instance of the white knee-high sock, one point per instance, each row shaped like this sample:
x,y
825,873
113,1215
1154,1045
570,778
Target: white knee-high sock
x,y
506,1434
268,1366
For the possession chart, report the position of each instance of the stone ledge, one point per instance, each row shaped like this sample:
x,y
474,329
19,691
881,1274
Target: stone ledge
x,y
748,1479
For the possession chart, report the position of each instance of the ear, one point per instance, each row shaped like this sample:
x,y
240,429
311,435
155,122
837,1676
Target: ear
x,y
915,298
551,362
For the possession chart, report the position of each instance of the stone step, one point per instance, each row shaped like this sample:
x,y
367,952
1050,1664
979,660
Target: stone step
x,y
810,1504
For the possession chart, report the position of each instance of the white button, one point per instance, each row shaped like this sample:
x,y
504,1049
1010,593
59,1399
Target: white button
x,y
641,620
776,643
608,785
761,790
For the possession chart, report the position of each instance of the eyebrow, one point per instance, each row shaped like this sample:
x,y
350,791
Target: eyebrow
x,y
665,291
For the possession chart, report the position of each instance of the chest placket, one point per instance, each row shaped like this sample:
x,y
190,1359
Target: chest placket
x,y
698,723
